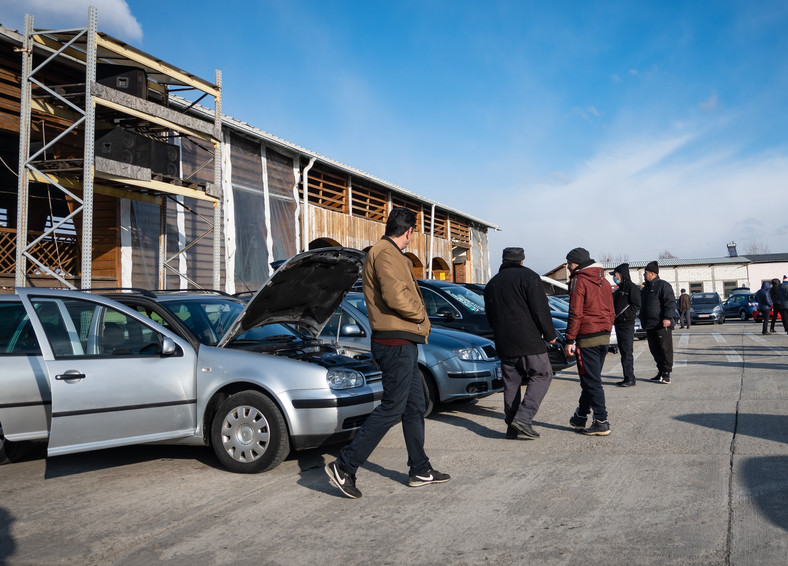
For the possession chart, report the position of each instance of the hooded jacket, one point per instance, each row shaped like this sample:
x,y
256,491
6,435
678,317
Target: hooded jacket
x,y
763,297
782,294
518,312
394,302
657,303
626,298
591,310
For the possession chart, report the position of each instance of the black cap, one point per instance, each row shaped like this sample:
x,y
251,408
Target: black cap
x,y
653,267
513,254
578,255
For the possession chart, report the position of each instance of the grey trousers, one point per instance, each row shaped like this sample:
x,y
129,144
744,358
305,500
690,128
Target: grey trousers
x,y
536,374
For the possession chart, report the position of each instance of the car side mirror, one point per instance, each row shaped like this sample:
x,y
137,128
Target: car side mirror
x,y
168,347
446,313
350,330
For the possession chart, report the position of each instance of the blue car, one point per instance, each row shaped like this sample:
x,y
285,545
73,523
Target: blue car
x,y
455,365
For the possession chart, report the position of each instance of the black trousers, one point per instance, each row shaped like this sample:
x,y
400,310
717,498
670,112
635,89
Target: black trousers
x,y
403,398
626,340
589,368
660,344
765,313
784,316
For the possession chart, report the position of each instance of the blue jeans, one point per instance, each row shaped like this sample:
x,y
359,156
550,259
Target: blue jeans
x,y
592,396
403,398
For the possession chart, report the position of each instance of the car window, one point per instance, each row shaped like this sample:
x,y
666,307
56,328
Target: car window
x,y
358,302
331,329
705,298
433,302
470,300
17,336
75,327
268,333
208,319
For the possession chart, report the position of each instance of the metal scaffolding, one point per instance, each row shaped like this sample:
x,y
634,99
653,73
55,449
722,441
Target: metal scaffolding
x,y
84,48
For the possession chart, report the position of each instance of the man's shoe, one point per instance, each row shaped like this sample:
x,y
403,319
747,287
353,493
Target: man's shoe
x,y
626,383
599,428
426,478
344,481
578,422
665,378
511,432
657,377
525,428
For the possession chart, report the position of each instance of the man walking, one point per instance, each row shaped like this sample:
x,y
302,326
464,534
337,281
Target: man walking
x,y
782,294
626,302
658,303
685,309
764,305
399,321
517,308
776,303
591,315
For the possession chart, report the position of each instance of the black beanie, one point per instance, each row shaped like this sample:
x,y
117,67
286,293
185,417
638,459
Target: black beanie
x,y
653,267
578,255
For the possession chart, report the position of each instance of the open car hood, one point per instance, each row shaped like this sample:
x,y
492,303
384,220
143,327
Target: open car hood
x,y
306,289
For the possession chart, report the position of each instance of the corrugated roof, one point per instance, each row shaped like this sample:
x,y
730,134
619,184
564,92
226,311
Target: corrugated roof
x,y
767,258
678,262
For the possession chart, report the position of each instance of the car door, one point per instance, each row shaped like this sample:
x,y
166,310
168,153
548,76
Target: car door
x,y
115,378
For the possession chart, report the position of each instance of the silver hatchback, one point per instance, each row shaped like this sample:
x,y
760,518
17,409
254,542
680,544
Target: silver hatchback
x,y
84,372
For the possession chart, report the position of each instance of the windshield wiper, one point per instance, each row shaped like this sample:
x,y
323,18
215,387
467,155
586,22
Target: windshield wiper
x,y
280,338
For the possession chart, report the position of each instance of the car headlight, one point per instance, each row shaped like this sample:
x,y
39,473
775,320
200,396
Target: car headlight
x,y
342,378
717,309
469,354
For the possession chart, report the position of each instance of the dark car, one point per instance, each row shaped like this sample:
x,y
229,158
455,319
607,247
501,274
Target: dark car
x,y
706,307
741,305
452,305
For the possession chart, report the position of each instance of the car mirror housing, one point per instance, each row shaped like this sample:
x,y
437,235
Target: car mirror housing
x,y
446,313
351,330
168,347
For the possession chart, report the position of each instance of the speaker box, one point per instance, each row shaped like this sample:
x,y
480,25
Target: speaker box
x,y
124,146
131,80
165,159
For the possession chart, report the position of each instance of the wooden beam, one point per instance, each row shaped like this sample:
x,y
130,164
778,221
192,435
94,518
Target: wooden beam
x,y
76,185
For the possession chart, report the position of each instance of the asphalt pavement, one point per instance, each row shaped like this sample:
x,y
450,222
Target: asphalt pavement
x,y
694,472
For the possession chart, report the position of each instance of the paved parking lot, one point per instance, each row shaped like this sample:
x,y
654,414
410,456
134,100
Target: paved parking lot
x,y
695,472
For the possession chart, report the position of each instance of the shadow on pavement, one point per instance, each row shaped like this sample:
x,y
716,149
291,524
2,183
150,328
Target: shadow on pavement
x,y
767,483
767,427
7,544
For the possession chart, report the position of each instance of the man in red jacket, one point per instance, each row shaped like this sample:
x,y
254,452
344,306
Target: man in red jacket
x,y
591,315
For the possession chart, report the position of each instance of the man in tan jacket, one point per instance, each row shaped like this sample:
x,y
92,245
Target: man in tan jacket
x,y
399,322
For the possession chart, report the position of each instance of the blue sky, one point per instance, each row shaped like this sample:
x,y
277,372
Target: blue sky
x,y
628,128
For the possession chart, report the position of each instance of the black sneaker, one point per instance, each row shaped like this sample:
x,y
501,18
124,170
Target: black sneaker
x,y
426,478
577,421
657,377
599,428
344,481
665,378
626,383
525,428
511,432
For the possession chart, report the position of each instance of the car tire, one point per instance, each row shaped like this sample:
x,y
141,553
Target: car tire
x,y
12,451
743,315
431,398
249,433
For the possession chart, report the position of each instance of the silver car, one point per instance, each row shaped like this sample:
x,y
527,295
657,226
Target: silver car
x,y
455,365
84,372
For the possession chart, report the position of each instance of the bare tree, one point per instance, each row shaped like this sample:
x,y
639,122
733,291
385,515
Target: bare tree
x,y
607,257
666,255
755,248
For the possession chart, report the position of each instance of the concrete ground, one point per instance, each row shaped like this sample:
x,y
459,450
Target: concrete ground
x,y
695,472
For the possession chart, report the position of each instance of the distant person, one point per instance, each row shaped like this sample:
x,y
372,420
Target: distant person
x,y
782,292
399,322
626,301
776,302
685,309
517,308
764,299
657,305
591,314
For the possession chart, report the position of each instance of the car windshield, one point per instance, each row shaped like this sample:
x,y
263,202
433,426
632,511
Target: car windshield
x,y
705,299
210,318
357,300
470,300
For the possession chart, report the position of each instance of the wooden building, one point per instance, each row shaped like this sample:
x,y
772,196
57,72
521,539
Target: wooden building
x,y
129,178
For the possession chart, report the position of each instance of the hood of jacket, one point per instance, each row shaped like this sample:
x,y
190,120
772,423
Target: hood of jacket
x,y
623,269
593,272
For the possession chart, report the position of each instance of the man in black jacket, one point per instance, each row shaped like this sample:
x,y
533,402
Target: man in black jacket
x,y
517,308
658,304
626,301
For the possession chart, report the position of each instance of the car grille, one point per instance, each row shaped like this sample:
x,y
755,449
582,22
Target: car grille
x,y
373,376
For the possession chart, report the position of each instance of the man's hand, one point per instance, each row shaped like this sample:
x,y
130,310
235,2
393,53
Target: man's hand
x,y
569,349
666,323
551,342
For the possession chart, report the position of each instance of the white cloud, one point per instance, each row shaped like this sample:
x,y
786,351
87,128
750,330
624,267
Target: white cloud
x,y
638,198
709,104
114,16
